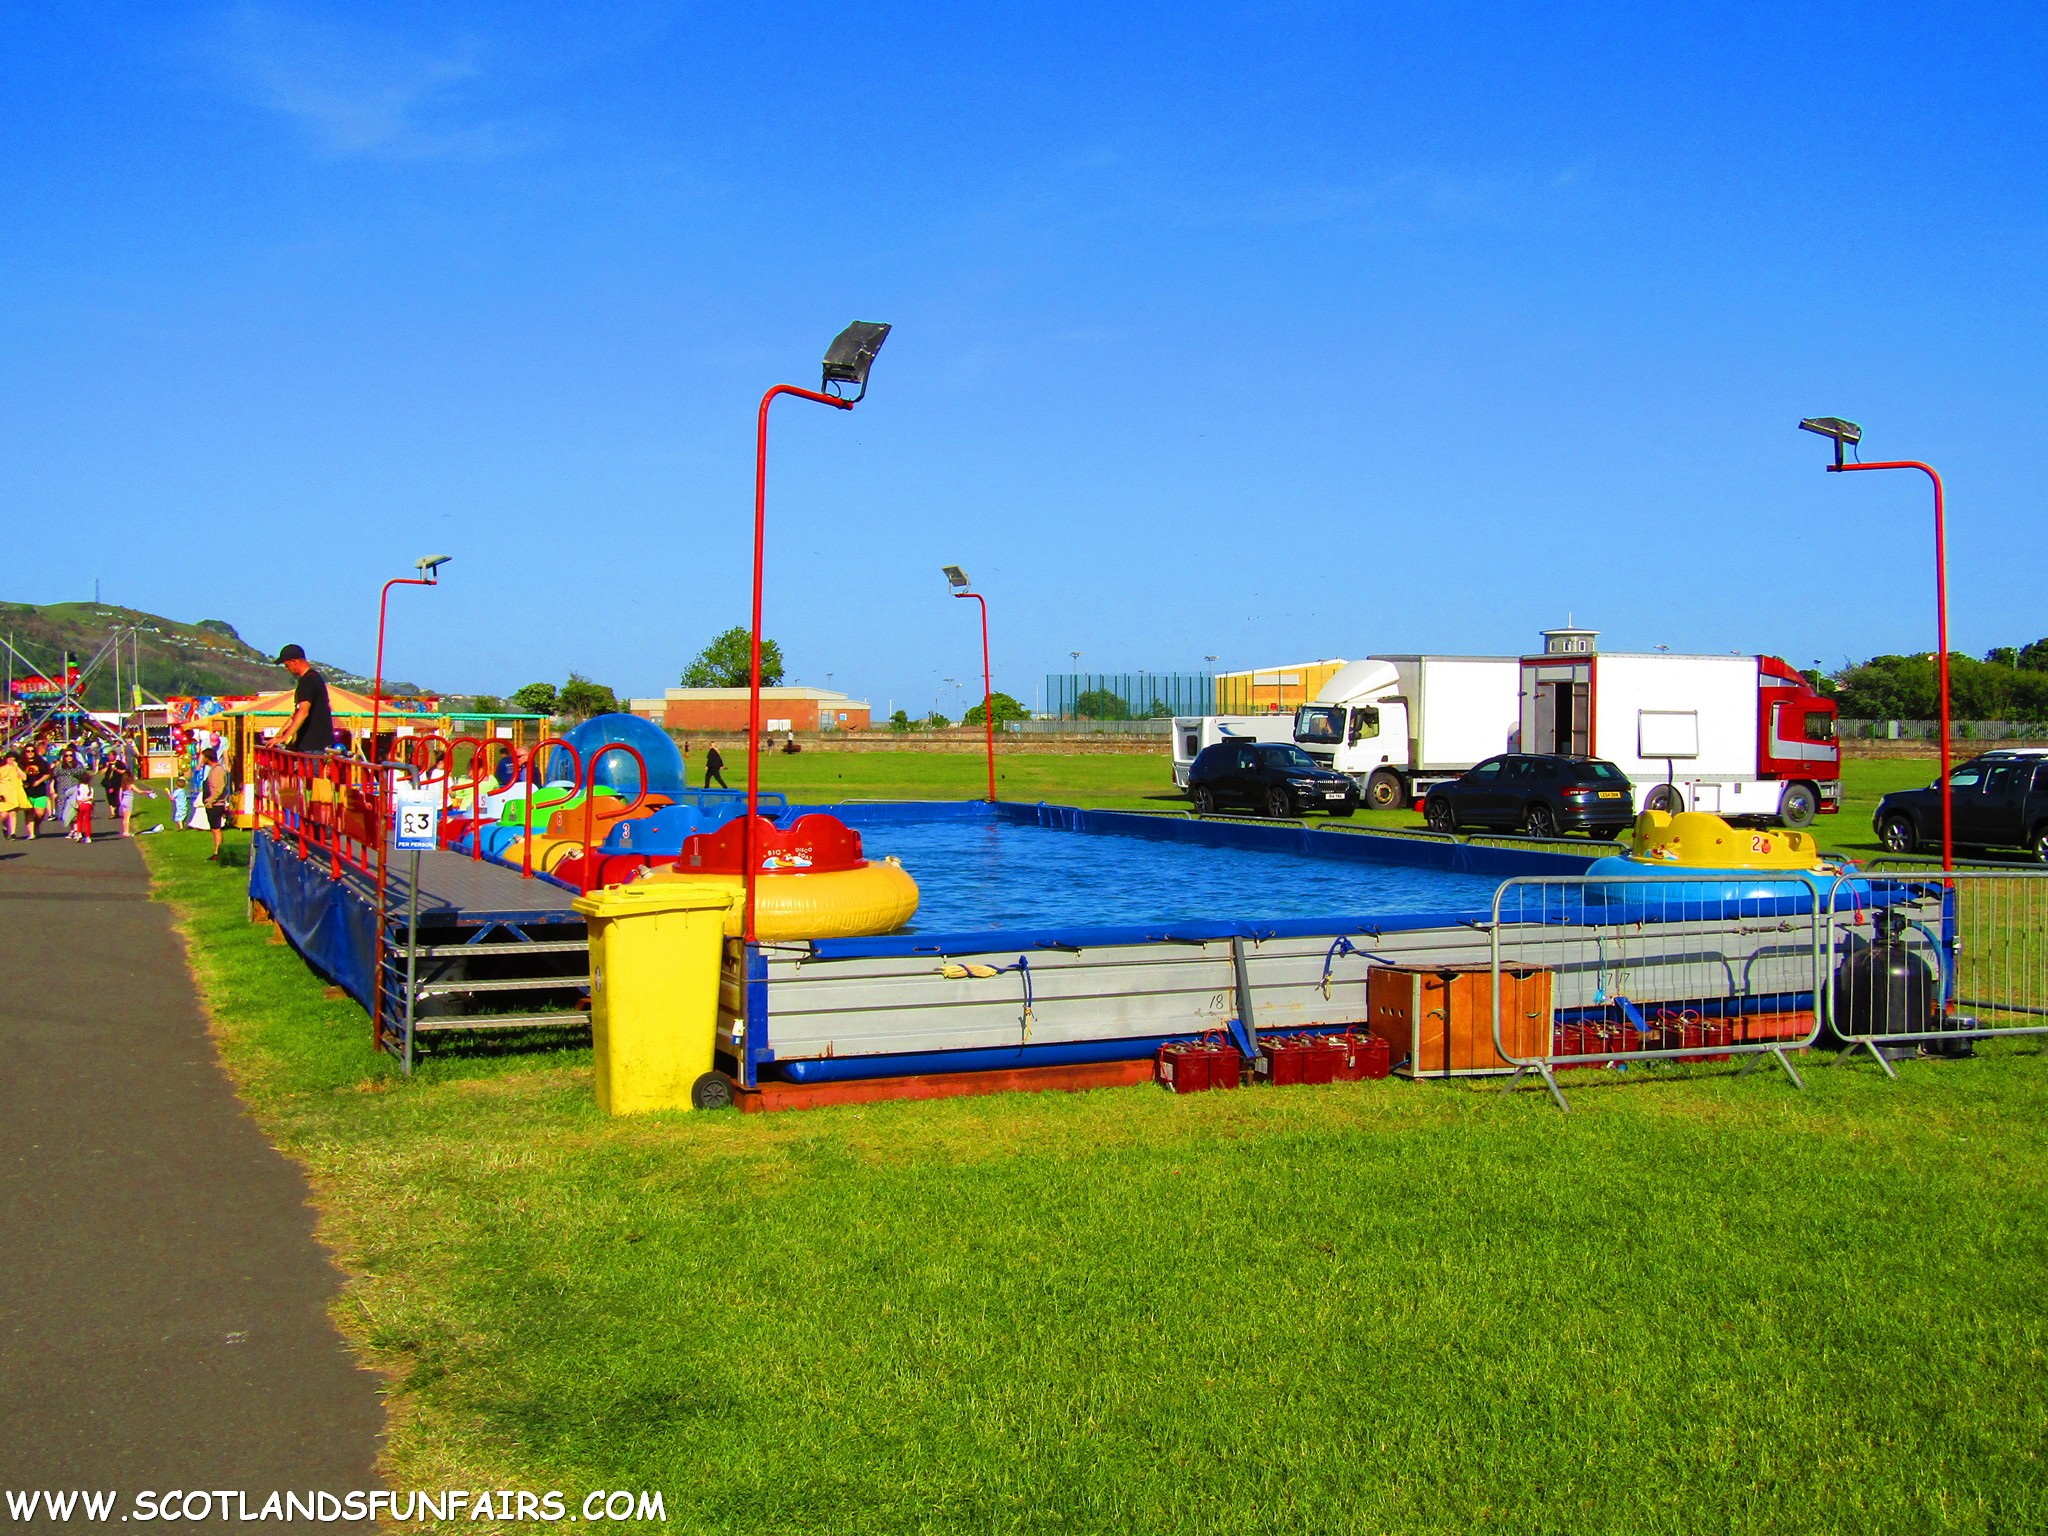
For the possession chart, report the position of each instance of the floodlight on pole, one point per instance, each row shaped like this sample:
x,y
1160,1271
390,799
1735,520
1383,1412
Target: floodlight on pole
x,y
1842,433
430,576
847,361
962,587
850,356
1847,432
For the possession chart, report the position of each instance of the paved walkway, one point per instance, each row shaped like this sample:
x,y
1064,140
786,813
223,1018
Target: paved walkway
x,y
162,1300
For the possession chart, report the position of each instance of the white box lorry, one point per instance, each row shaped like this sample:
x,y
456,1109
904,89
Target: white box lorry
x,y
1744,737
1191,733
1402,724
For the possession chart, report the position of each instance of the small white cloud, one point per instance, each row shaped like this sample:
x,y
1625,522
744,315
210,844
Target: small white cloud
x,y
358,93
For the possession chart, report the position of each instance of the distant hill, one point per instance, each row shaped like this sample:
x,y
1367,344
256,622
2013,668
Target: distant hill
x,y
208,657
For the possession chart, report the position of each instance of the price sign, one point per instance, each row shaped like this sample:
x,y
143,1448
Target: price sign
x,y
417,826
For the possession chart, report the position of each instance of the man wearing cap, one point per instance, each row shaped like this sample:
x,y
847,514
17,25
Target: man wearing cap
x,y
311,727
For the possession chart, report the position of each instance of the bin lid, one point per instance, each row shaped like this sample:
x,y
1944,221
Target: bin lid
x,y
646,899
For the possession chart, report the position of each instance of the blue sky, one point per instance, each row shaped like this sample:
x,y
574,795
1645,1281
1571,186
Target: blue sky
x,y
1263,331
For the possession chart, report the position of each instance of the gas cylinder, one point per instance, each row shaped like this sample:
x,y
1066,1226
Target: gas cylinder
x,y
1884,987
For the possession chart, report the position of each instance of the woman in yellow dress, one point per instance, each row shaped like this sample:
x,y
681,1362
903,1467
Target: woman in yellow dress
x,y
13,794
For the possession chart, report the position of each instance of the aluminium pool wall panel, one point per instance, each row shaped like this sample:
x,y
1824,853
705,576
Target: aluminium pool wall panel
x,y
821,1007
885,1006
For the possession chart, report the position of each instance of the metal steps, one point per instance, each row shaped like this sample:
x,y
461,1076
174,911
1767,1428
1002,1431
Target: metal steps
x,y
427,989
447,1023
473,951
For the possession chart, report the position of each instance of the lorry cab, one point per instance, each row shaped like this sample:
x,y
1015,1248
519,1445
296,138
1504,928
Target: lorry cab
x,y
1397,725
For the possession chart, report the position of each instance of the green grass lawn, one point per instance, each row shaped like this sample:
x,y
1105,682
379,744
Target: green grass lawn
x,y
1701,1303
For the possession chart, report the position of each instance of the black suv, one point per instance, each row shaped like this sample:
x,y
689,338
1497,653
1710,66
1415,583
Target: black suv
x,y
1999,800
1274,777
1545,795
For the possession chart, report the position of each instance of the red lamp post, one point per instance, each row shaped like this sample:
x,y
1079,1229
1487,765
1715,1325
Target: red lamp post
x,y
847,361
430,576
957,579
1843,433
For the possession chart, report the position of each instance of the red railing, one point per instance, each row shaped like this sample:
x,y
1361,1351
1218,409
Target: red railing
x,y
340,808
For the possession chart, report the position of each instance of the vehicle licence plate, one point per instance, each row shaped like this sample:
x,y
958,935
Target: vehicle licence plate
x,y
1333,794
1610,794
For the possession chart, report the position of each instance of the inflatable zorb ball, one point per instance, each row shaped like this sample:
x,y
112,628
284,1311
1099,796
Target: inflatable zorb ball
x,y
616,770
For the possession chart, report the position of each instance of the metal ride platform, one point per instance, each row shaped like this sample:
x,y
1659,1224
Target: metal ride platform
x,y
485,950
461,891
493,950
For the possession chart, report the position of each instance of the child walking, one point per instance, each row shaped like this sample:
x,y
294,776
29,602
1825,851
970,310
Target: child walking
x,y
81,811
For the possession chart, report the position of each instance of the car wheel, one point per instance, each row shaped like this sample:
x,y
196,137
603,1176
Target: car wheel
x,y
2041,842
1799,806
1542,820
1279,804
711,1091
1897,834
1663,797
1205,800
1383,790
1438,813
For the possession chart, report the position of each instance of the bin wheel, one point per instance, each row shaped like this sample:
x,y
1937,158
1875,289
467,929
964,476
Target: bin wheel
x,y
711,1091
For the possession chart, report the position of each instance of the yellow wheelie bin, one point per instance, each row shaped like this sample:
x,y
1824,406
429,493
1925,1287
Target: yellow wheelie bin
x,y
655,953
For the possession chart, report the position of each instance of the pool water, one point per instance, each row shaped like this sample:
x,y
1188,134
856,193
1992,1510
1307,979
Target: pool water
x,y
1004,875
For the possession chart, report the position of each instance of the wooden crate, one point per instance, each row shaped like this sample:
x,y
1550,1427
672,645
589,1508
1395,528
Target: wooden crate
x,y
1439,1019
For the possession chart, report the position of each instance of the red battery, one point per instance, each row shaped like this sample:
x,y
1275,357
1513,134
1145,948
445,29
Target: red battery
x,y
1183,1068
1367,1058
1226,1066
1283,1060
1325,1058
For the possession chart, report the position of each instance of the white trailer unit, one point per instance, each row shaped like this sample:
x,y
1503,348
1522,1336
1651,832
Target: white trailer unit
x,y
1191,733
1740,736
1402,724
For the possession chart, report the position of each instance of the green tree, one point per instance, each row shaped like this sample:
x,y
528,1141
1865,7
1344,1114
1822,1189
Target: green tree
x,y
1005,707
936,721
900,721
1101,704
727,662
580,698
487,704
2034,658
535,699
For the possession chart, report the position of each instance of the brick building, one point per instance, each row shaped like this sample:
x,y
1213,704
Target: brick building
x,y
723,711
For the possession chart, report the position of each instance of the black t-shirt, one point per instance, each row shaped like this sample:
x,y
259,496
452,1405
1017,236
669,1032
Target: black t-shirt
x,y
317,734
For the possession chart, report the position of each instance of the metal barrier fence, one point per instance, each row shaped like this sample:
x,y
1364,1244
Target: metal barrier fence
x,y
1932,961
1643,968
